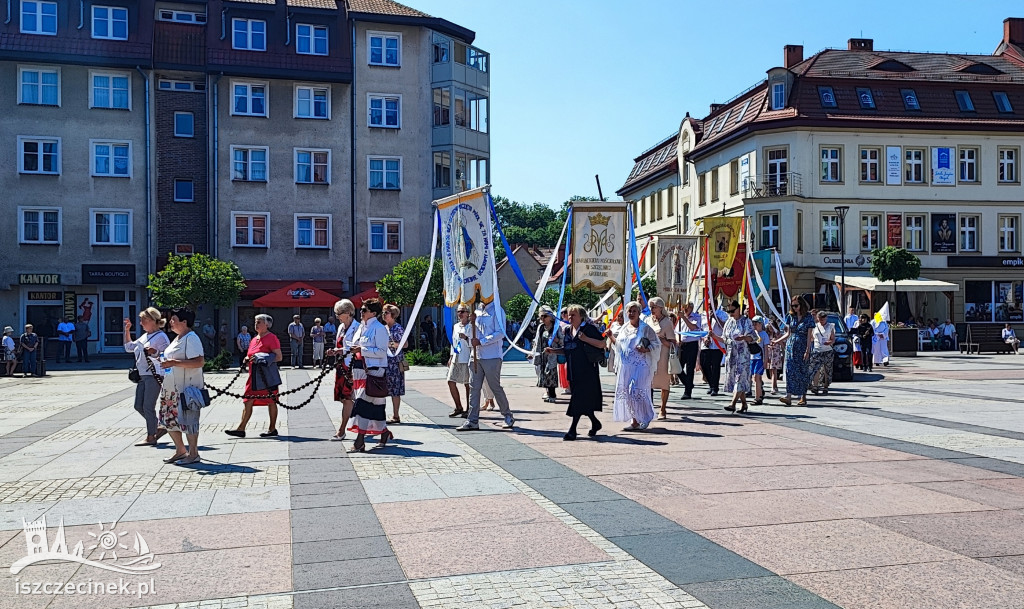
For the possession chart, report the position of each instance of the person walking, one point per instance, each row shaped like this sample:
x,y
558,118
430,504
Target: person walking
x,y
264,342
65,338
209,336
147,349
689,347
798,336
711,352
348,325
369,368
242,344
458,362
583,346
613,329
773,355
563,373
546,352
183,363
296,335
487,342
866,332
9,351
638,350
396,363
662,325
81,338
737,334
757,360
822,355
317,334
880,342
29,342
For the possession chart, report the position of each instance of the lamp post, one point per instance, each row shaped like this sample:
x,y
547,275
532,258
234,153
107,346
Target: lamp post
x,y
841,212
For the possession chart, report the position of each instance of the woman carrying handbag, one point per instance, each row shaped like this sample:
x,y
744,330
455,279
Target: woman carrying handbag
x,y
369,383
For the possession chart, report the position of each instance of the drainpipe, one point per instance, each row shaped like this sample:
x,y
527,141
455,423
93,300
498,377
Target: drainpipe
x,y
214,203
150,261
352,162
288,25
8,12
81,14
223,23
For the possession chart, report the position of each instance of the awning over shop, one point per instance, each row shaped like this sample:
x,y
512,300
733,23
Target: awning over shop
x,y
297,294
860,280
357,299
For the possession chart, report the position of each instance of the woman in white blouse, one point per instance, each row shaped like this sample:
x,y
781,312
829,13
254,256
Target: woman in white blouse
x,y
638,349
147,349
370,351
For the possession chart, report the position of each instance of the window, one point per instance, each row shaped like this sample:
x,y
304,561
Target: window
x,y
830,165
915,232
1007,233
312,166
963,99
39,86
385,235
112,159
39,18
656,207
734,177
870,232
686,216
1002,102
778,172
250,230
182,16
110,22
385,173
671,196
714,184
183,192
249,164
829,233
110,90
778,96
250,99
442,106
180,85
386,49
442,170
111,227
385,111
310,39
40,225
184,124
827,97
312,231
869,160
799,231
968,233
249,34
866,98
968,164
702,187
910,99
184,249
442,48
643,211
312,102
39,155
914,166
477,105
1008,165
768,223
743,111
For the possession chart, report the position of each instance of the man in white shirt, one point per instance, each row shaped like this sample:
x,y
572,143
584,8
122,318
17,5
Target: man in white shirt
x,y
296,335
486,368
65,338
948,335
458,363
689,346
851,319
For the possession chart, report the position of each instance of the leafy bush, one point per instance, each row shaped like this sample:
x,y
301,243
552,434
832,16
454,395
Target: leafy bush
x,y
418,357
221,362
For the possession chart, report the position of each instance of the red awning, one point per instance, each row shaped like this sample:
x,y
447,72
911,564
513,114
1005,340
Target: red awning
x,y
297,294
357,299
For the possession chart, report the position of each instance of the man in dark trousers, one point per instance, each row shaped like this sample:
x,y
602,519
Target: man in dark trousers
x,y
428,329
689,346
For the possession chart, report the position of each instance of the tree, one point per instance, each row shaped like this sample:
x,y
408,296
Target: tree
x,y
517,306
188,281
650,285
402,285
894,264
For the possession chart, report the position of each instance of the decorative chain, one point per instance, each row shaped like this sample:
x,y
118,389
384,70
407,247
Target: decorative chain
x,y
275,395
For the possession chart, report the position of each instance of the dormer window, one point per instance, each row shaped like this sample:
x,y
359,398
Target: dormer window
x,y
828,98
963,99
866,98
778,96
910,99
1002,102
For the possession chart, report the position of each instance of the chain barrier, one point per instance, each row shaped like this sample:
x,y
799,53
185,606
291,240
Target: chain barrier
x,y
274,395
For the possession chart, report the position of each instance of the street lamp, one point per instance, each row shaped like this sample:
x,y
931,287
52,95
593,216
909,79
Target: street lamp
x,y
841,211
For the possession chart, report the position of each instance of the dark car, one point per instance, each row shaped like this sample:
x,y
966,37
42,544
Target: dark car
x,y
842,363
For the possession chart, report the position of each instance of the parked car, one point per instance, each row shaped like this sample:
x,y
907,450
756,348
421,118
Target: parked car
x,y
842,363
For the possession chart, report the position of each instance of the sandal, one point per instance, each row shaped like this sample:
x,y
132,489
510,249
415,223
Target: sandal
x,y
802,402
358,448
394,421
756,402
786,401
176,457
456,413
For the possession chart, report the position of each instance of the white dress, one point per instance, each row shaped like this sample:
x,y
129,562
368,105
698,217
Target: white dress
x,y
613,330
635,373
880,342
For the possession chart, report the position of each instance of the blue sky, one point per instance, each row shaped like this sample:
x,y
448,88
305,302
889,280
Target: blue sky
x,y
581,87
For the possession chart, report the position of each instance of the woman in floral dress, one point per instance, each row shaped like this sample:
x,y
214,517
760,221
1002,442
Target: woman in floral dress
x,y
396,372
798,337
737,335
773,355
183,367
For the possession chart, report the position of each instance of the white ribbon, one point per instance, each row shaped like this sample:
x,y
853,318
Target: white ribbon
x,y
423,291
540,291
766,293
783,286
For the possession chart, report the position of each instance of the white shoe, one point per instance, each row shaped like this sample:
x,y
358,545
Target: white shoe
x,y
338,437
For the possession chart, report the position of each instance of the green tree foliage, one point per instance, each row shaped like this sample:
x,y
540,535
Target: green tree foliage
x,y
402,284
188,281
534,224
895,264
650,285
517,306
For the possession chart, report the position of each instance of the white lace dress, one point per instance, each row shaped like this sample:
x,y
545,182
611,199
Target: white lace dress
x,y
635,373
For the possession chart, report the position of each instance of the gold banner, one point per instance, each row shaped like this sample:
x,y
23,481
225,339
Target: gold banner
x,y
599,255
723,238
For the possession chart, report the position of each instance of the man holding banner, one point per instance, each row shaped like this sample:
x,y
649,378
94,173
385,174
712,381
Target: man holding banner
x,y
677,260
487,343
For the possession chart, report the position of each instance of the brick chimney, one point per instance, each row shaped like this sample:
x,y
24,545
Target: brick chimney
x,y
792,54
1013,30
716,107
860,44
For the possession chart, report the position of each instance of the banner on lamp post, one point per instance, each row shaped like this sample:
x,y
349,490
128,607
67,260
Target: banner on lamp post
x,y
599,242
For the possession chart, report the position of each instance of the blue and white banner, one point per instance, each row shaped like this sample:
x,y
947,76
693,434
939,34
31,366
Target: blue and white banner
x,y
467,253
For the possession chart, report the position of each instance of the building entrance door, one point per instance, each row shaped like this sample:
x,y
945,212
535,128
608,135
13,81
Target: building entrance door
x,y
116,306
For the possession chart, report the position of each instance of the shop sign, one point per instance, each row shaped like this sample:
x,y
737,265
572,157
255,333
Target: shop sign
x,y
990,261
943,233
35,295
108,273
893,165
70,305
894,230
301,293
858,260
39,278
943,172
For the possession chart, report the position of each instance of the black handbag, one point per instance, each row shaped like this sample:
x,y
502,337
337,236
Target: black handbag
x,y
754,348
376,386
134,375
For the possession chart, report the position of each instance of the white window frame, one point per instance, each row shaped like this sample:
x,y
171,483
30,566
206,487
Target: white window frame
x,y
772,228
41,241
313,28
866,163
251,214
39,18
831,165
111,75
248,163
175,16
110,21
867,228
832,228
92,158
968,164
313,217
910,164
93,212
174,193
969,228
190,135
1008,165
778,98
39,69
914,231
172,85
248,34
295,164
22,139
385,222
385,159
1008,228
312,91
370,97
370,35
249,84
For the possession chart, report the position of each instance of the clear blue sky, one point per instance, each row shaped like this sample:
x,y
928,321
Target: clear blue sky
x,y
581,87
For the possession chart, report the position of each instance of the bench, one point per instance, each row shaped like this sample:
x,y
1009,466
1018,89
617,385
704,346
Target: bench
x,y
977,338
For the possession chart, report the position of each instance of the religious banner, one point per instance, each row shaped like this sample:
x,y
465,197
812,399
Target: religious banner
x,y
762,259
467,255
894,230
723,238
677,257
728,282
943,233
599,254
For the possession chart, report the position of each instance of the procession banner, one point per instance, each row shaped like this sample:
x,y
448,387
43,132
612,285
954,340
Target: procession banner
x,y
677,256
723,238
467,254
729,282
761,260
598,238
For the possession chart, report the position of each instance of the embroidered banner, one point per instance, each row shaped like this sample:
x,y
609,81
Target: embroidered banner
x,y
723,239
677,258
467,253
599,254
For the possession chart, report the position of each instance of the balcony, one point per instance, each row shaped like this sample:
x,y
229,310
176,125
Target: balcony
x,y
773,185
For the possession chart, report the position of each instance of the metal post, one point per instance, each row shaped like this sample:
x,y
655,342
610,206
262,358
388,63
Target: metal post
x,y
841,210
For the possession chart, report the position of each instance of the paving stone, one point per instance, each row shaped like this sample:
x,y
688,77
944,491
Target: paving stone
x,y
472,483
331,523
407,488
620,517
573,490
532,469
340,550
171,505
394,596
771,592
684,557
313,576
249,500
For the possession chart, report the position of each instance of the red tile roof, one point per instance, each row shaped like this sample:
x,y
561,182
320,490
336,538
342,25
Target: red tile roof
x,y
384,7
330,5
652,161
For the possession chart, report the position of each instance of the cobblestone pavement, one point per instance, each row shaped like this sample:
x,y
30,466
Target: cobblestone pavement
x,y
905,489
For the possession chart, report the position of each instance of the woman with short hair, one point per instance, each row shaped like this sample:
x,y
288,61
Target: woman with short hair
x,y
662,325
370,351
348,325
29,343
9,351
242,344
183,367
316,334
396,371
546,346
822,355
147,349
737,335
264,342
583,346
638,349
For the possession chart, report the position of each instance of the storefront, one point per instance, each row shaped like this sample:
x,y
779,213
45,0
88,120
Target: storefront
x,y
990,295
922,298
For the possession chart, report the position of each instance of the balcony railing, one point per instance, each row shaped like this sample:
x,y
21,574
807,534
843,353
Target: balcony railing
x,y
771,185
